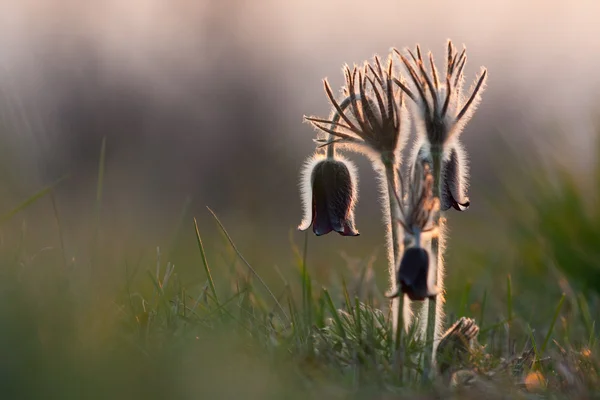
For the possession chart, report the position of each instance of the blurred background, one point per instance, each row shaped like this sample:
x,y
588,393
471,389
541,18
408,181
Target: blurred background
x,y
201,104
205,98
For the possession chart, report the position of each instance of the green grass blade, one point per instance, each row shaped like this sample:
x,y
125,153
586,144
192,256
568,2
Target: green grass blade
x,y
551,329
211,283
297,331
306,286
29,201
320,312
221,307
584,312
256,275
533,342
358,319
160,291
346,295
334,314
493,327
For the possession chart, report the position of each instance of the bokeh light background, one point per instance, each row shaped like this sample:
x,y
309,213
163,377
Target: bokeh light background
x,y
201,103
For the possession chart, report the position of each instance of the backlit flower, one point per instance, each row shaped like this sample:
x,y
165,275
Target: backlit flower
x,y
329,193
413,274
417,208
442,110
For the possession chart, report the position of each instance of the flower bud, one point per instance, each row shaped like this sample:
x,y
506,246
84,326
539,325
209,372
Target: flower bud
x,y
329,193
453,184
413,274
454,175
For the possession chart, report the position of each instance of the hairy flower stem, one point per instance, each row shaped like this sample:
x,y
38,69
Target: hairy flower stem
x,y
331,138
434,307
335,119
394,233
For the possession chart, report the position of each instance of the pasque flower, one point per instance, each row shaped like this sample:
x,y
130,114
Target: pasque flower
x,y
443,111
371,118
329,193
417,208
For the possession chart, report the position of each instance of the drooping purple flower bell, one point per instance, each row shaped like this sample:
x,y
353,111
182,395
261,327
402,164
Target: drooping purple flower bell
x,y
453,187
329,193
412,274
454,180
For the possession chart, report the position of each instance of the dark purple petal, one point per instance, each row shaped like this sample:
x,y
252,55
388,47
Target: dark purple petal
x,y
333,199
341,198
452,187
412,274
349,229
321,222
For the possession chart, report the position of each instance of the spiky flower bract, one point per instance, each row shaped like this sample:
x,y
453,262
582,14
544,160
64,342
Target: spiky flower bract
x,y
442,110
443,107
371,118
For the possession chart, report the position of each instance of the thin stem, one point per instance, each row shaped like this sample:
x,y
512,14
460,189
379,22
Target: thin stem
x,y
394,231
331,147
434,312
334,121
394,253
